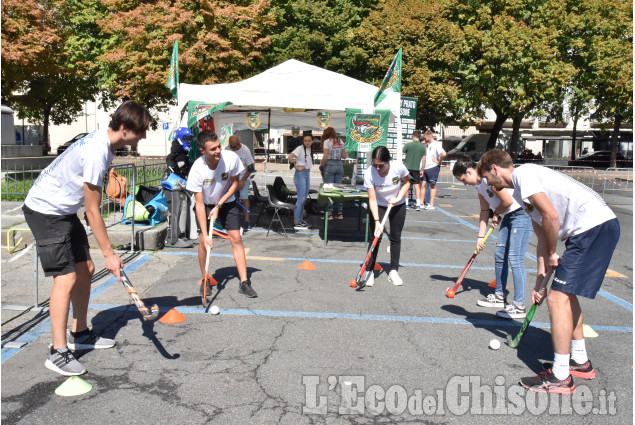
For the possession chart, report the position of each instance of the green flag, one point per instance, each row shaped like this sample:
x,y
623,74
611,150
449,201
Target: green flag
x,y
392,80
364,132
173,77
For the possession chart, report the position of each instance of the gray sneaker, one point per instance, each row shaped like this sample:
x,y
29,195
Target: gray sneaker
x,y
63,362
245,288
492,300
89,341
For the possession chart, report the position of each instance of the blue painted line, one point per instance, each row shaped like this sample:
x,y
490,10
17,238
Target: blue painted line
x,y
45,326
354,316
616,300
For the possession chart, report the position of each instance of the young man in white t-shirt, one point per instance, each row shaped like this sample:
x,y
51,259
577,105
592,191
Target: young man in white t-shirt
x,y
214,181
563,209
244,154
50,210
434,156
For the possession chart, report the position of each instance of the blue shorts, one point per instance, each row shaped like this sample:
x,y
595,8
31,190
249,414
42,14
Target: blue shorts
x,y
431,175
586,259
244,192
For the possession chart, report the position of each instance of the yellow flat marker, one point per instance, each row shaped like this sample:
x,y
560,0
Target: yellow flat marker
x,y
613,273
468,216
620,206
247,250
265,258
446,205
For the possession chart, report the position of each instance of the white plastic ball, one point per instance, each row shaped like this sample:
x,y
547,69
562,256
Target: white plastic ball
x,y
214,309
494,344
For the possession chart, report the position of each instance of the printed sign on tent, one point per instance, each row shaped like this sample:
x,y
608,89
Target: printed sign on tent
x,y
323,119
253,120
365,131
224,134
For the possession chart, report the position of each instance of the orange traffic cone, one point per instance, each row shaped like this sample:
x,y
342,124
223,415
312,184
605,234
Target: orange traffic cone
x,y
210,279
378,267
492,284
306,265
172,316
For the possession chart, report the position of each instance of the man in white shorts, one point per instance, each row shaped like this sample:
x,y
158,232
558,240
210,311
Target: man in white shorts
x,y
434,155
561,208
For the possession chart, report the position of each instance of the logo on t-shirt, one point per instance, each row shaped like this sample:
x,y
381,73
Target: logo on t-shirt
x,y
395,180
224,176
208,182
490,193
528,207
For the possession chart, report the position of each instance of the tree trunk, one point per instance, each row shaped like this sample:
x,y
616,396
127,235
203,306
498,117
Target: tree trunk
x,y
515,142
45,130
574,147
498,125
615,140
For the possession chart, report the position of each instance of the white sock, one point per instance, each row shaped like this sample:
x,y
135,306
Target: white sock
x,y
418,201
561,365
578,351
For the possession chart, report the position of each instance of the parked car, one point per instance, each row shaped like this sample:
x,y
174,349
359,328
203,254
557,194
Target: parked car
x,y
62,148
601,159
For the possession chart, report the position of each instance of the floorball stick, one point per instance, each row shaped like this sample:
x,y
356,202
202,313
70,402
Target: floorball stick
x,y
205,280
148,315
530,314
450,292
360,281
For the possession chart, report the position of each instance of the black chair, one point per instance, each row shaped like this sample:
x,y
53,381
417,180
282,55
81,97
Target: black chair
x,y
259,200
283,192
277,205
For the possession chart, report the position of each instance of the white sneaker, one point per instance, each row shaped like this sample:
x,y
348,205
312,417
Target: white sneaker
x,y
429,207
393,276
371,279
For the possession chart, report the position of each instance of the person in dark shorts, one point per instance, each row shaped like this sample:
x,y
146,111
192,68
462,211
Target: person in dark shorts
x,y
415,152
214,181
50,209
561,208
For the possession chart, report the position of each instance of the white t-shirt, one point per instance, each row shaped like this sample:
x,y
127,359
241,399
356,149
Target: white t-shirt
x,y
214,183
579,207
59,190
335,149
389,186
244,154
303,157
435,149
493,200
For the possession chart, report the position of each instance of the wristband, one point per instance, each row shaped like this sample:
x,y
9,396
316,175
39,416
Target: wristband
x,y
481,237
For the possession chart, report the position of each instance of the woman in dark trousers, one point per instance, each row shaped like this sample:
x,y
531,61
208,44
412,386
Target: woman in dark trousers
x,y
387,183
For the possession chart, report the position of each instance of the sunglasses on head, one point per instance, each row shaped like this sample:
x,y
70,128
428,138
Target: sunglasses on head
x,y
380,166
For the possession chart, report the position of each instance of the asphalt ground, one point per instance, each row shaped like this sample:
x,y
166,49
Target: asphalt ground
x,y
311,349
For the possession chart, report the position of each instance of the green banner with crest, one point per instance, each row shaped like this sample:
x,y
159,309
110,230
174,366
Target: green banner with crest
x,y
366,131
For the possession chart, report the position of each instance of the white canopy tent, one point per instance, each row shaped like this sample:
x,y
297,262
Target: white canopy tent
x,y
290,94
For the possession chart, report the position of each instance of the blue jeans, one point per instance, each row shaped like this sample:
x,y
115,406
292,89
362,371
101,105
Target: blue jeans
x,y
333,173
513,240
302,181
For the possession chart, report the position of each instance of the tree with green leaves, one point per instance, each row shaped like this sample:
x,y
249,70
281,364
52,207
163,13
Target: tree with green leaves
x,y
48,58
431,47
510,62
319,32
612,67
219,41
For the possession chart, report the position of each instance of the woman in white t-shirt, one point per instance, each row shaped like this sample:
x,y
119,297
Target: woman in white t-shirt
x,y
302,159
513,239
387,182
333,153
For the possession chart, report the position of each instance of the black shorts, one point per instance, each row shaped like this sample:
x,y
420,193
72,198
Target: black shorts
x,y
415,176
60,239
230,216
431,175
